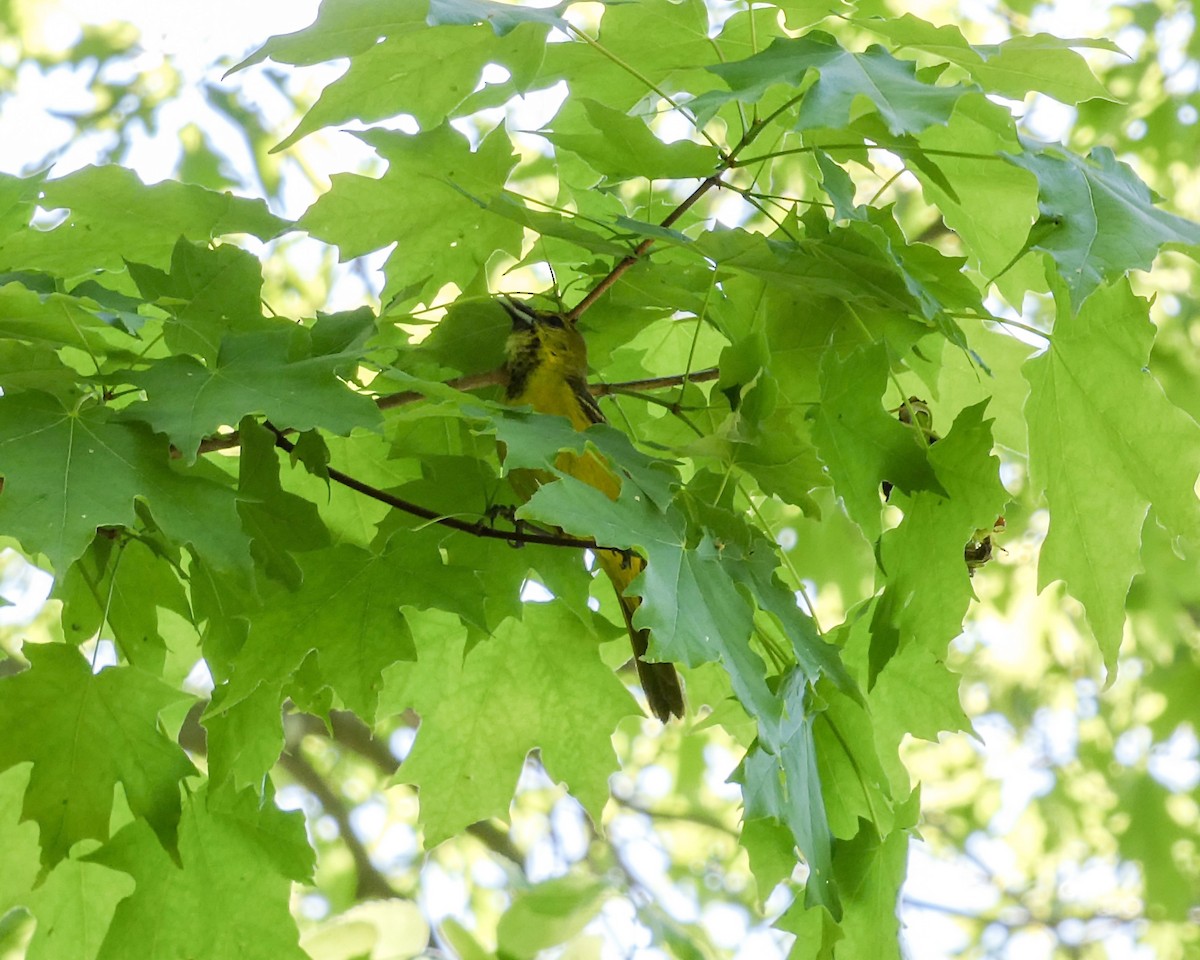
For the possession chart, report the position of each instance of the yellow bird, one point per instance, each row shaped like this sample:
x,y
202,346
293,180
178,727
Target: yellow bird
x,y
547,370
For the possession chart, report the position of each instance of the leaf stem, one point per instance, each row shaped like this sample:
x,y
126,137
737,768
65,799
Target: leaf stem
x,y
1020,326
895,148
787,562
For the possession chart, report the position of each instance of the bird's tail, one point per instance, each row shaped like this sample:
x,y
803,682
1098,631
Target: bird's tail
x,y
660,681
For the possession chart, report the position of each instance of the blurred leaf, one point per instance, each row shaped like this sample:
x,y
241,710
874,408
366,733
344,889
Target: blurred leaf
x,y
549,914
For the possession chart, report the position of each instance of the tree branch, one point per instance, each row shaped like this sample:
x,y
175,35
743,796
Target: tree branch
x,y
476,528
371,882
728,162
693,817
654,383
345,729
476,381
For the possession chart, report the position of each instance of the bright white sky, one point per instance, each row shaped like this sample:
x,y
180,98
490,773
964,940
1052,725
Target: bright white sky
x,y
193,35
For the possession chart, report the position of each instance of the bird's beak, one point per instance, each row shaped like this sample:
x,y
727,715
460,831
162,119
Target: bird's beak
x,y
522,316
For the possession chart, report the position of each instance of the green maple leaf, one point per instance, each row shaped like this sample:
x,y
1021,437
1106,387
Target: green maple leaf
x,y
190,908
339,30
662,37
936,282
26,367
244,739
18,839
93,731
578,231
1012,68
860,442
535,683
981,180
279,522
853,780
501,17
533,441
692,587
418,204
916,694
68,471
208,292
124,585
18,198
114,217
928,587
839,263
74,906
781,459
420,71
1105,443
347,611
265,373
620,146
870,870
1099,220
907,105
783,785
690,599
550,913
56,320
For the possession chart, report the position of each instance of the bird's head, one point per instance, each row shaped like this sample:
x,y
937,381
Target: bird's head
x,y
541,337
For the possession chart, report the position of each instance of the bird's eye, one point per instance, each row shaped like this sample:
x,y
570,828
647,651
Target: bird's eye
x,y
554,320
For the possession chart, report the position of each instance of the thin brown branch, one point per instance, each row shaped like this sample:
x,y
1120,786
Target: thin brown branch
x,y
370,881
476,528
654,383
727,163
1020,916
473,381
639,251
